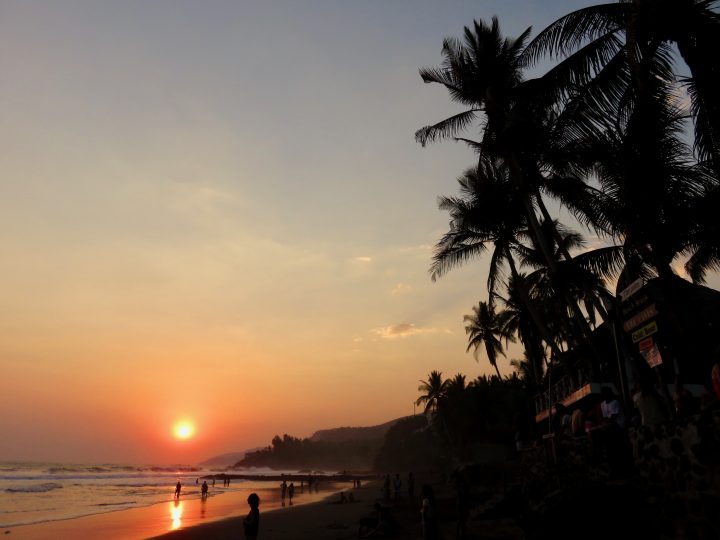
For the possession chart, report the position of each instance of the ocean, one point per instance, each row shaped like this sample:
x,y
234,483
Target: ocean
x,y
40,492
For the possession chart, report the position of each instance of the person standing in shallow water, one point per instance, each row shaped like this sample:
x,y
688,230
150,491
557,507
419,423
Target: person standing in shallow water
x,y
178,487
291,492
251,523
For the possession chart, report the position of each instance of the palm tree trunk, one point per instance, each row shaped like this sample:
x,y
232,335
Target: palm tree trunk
x,y
525,297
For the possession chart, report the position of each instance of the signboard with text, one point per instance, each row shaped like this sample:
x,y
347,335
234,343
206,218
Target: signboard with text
x,y
639,315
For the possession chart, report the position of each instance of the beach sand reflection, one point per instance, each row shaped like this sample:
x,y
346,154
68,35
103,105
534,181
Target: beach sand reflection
x,y
176,510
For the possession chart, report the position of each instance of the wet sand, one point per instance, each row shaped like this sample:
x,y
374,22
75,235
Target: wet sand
x,y
161,518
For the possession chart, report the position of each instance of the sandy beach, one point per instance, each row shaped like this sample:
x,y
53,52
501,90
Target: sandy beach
x,y
321,519
187,514
329,520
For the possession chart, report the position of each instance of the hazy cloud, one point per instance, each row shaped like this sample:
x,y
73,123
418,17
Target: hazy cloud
x,y
362,259
402,330
401,288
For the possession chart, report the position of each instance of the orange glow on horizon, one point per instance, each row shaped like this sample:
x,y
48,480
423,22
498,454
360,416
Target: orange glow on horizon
x,y
184,429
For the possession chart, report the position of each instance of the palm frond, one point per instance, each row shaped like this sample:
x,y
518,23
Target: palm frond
x,y
447,128
569,32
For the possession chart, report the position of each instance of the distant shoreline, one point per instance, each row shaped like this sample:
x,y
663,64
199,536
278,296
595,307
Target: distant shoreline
x,y
292,477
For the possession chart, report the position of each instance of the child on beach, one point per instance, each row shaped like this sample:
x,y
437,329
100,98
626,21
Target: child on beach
x,y
252,522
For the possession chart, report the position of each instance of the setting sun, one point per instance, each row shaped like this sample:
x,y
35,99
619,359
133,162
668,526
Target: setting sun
x,y
183,430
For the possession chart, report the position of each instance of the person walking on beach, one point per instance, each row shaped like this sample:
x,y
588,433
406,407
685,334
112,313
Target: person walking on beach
x,y
251,523
178,487
204,489
397,485
291,492
283,491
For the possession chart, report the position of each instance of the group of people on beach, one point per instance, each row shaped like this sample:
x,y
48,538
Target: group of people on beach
x,y
287,491
395,487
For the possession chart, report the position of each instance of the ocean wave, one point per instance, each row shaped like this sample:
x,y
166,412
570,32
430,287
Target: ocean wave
x,y
38,488
116,503
27,510
171,469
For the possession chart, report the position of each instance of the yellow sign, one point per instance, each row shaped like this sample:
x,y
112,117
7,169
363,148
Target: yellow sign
x,y
645,331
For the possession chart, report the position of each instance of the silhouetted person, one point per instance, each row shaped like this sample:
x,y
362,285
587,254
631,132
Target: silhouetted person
x,y
251,523
427,513
291,492
283,491
178,487
213,481
612,411
397,485
204,489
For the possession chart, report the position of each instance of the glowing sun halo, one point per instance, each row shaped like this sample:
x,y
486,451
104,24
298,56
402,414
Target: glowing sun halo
x,y
183,430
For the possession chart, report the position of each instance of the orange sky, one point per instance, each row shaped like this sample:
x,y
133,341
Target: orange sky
x,y
220,213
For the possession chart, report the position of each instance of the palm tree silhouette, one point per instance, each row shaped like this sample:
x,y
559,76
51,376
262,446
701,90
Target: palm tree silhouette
x,y
600,62
435,390
486,327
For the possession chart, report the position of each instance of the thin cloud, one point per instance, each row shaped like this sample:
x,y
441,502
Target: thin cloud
x,y
402,330
401,288
362,259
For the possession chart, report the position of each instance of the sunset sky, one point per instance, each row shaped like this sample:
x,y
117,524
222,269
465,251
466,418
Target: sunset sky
x,y
216,211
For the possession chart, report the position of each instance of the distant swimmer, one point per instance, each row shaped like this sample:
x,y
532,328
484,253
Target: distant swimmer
x,y
178,487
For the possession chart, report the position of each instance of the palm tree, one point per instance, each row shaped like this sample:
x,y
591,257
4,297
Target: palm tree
x,y
599,60
456,385
520,322
486,327
488,212
485,73
704,238
434,391
649,190
525,370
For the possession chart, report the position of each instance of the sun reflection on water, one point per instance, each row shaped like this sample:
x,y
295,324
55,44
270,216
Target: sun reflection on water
x,y
176,510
